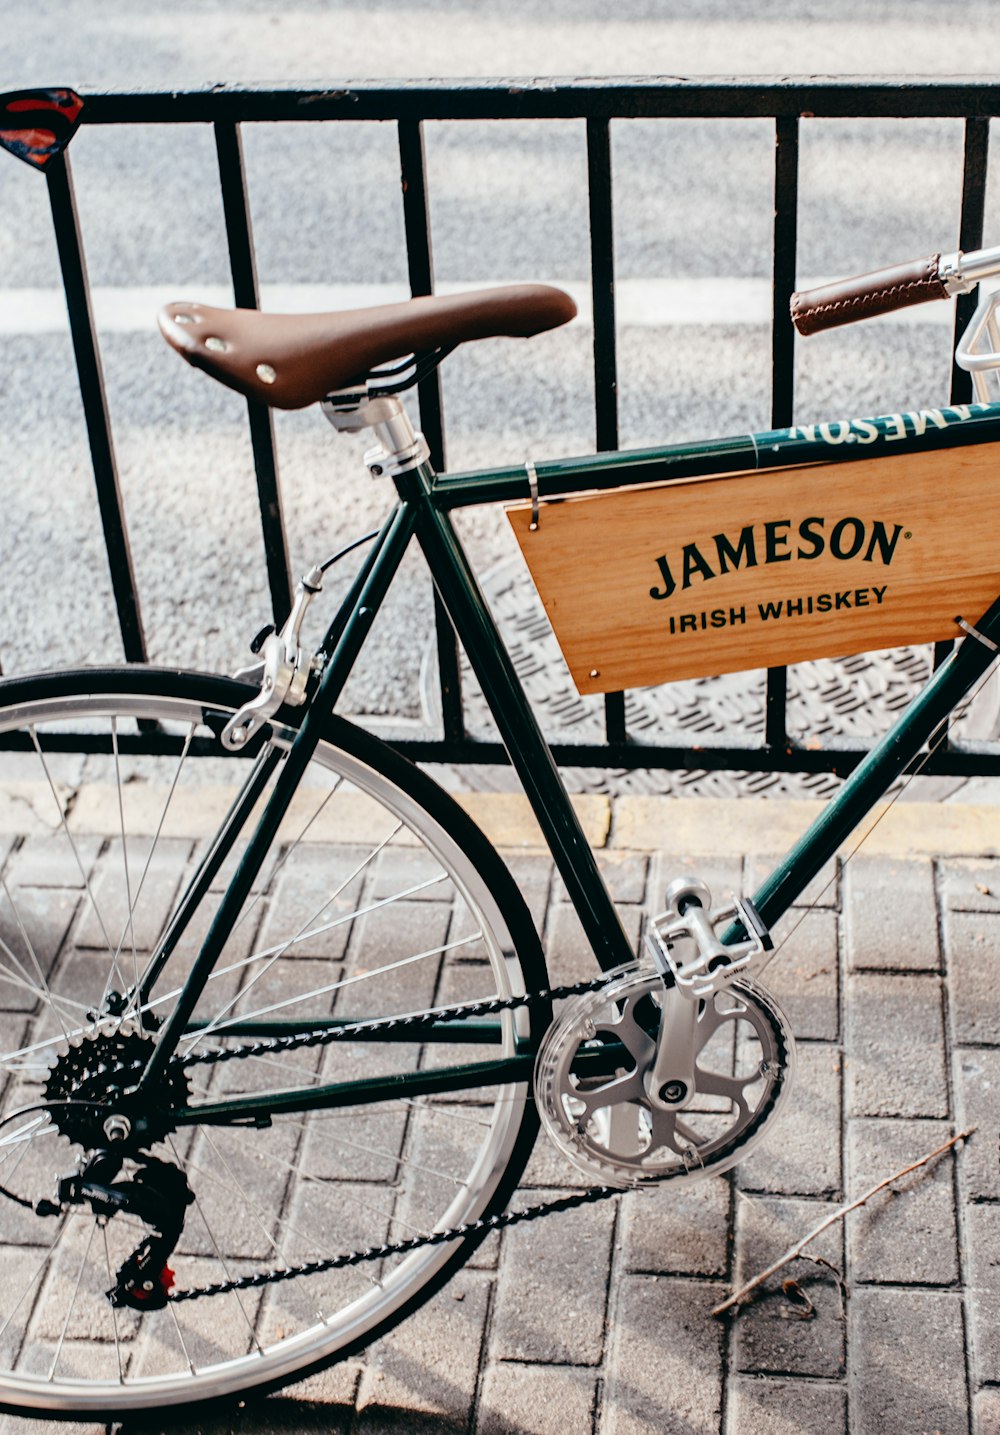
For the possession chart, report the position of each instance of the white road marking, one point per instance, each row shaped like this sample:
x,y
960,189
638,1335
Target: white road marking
x,y
641,303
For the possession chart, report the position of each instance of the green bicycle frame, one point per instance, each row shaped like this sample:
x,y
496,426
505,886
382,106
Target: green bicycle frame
x,y
425,501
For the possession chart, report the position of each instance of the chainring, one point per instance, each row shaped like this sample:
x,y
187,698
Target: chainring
x,y
594,1059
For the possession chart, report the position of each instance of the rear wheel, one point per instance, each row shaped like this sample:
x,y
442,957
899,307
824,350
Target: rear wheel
x,y
379,898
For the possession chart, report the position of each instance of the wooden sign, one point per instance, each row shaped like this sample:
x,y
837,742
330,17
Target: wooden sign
x,y
648,584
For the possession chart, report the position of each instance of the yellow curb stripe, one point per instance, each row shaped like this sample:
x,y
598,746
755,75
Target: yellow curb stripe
x,y
678,826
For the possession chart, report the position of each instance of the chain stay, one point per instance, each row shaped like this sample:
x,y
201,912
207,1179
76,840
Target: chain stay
x,y
393,1023
436,1238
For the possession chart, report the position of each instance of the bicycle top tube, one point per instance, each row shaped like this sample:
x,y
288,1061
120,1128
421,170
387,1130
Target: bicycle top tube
x,y
836,440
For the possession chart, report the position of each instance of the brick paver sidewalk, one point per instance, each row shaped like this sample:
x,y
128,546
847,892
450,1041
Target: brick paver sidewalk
x,y
599,1320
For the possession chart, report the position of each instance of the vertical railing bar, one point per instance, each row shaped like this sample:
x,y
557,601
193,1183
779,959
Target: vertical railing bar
x,y
786,205
65,219
243,267
970,236
602,280
420,264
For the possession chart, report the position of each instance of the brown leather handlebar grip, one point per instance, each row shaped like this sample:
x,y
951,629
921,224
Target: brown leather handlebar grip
x,y
851,299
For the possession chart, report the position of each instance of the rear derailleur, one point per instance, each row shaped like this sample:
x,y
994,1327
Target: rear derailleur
x,y
157,1193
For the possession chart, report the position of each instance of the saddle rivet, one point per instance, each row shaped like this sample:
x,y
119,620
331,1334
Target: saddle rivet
x,y
184,319
266,374
218,346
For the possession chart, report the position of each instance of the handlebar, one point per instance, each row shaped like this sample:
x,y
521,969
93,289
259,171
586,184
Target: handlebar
x,y
921,280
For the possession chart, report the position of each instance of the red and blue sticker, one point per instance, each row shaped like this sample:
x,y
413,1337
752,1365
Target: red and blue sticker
x,y
37,125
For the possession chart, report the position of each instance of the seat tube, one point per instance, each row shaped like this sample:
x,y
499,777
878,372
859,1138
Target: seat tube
x,y
525,743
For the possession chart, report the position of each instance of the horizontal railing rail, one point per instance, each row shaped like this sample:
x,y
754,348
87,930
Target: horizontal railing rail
x,y
596,103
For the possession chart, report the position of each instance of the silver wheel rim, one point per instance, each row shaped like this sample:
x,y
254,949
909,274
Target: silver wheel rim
x,y
265,1360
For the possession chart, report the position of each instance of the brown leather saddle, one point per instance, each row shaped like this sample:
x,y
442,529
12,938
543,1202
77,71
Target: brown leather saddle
x,y
291,360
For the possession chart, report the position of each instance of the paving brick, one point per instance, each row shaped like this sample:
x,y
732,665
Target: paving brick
x,y
532,872
547,1166
785,1407
550,1304
972,941
907,1234
977,1099
30,807
31,937
312,899
678,1228
802,977
536,1400
970,886
624,873
567,951
982,1237
722,875
414,871
800,1154
665,1373
51,860
429,1366
894,1058
822,891
986,1412
153,880
335,1389
892,914
382,984
772,1333
907,1368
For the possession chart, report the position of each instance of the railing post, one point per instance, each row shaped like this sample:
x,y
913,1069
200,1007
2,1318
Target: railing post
x,y
602,282
786,199
420,265
243,266
95,405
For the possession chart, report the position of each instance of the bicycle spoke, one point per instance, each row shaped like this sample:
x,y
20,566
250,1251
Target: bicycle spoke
x,y
331,987
218,1252
69,1313
298,937
42,983
69,837
288,853
38,1271
128,924
130,905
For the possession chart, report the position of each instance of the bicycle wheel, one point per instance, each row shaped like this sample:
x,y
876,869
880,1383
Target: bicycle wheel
x,y
379,898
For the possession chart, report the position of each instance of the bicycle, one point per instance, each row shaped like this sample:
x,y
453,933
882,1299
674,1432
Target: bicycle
x,y
305,1092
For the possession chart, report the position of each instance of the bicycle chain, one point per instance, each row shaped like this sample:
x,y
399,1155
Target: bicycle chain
x,y
494,1222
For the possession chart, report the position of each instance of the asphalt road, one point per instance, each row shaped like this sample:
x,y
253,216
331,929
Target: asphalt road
x,y
693,231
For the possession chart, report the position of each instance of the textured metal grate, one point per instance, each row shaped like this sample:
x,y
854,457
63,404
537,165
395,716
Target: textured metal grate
x,y
852,699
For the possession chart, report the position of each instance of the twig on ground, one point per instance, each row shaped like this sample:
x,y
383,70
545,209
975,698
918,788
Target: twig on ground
x,y
838,1215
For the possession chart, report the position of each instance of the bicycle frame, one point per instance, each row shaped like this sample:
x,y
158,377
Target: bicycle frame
x,y
422,512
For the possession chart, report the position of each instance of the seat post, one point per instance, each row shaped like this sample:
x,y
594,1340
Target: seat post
x,y
400,447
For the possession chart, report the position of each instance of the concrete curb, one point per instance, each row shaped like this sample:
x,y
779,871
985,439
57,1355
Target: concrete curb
x,y
681,826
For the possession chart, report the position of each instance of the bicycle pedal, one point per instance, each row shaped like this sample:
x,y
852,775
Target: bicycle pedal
x,y
690,920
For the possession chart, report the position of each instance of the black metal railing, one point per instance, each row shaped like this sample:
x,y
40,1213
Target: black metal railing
x,y
595,103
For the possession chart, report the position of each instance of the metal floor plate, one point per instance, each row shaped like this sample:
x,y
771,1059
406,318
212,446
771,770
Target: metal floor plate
x,y
853,698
